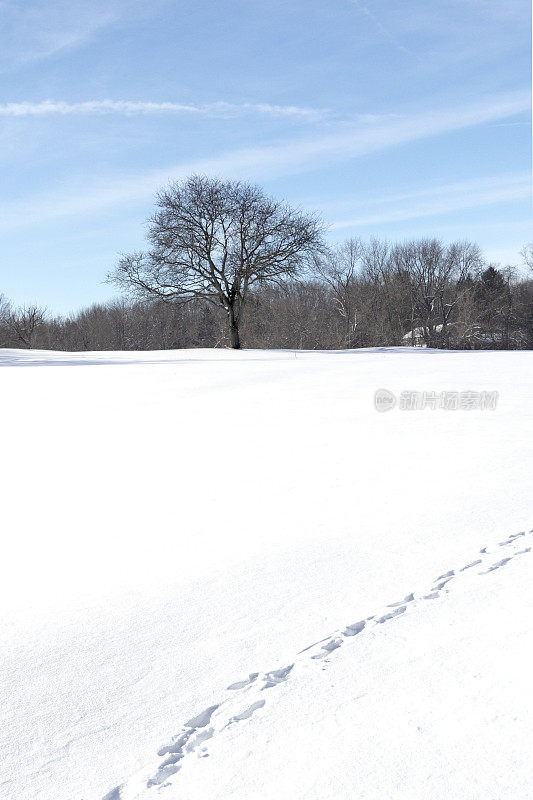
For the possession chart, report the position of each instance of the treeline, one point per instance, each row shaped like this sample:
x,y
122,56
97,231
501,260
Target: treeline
x,y
358,294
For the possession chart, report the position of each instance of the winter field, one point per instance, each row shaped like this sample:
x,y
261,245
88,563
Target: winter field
x,y
226,575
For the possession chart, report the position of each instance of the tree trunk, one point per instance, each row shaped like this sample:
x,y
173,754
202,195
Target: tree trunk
x,y
235,342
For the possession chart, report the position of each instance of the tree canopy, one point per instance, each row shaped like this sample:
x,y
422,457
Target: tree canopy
x,y
216,240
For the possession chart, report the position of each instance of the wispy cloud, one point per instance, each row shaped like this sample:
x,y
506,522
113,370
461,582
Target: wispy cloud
x,y
443,199
268,161
444,34
128,107
37,29
385,32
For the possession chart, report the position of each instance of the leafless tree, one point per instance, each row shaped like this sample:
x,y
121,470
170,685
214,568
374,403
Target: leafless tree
x,y
5,313
216,241
434,275
381,286
527,255
24,323
339,269
389,301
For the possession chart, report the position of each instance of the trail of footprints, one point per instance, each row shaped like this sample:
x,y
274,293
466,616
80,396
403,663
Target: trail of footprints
x,y
237,707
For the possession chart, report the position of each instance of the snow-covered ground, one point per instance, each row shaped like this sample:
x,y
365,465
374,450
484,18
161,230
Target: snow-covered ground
x,y
192,541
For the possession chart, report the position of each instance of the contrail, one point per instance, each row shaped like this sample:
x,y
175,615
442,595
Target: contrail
x,y
381,28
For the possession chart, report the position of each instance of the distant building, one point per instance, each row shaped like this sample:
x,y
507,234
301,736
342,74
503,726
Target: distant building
x,y
474,337
415,338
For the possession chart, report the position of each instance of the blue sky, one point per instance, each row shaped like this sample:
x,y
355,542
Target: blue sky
x,y
393,118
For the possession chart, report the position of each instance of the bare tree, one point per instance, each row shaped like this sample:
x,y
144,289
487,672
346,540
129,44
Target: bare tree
x,y
339,271
5,313
216,241
390,305
527,255
434,275
25,321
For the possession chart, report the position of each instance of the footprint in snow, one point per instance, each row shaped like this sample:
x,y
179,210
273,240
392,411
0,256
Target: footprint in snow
x,y
170,760
511,538
175,751
162,775
497,565
203,719
197,733
247,713
449,574
444,579
272,678
472,564
354,629
186,742
201,737
408,599
328,648
277,676
441,585
177,745
241,684
114,794
391,615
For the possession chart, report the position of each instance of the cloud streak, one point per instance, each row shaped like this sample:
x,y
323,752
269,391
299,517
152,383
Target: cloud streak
x,y
380,27
268,161
128,107
442,200
37,29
